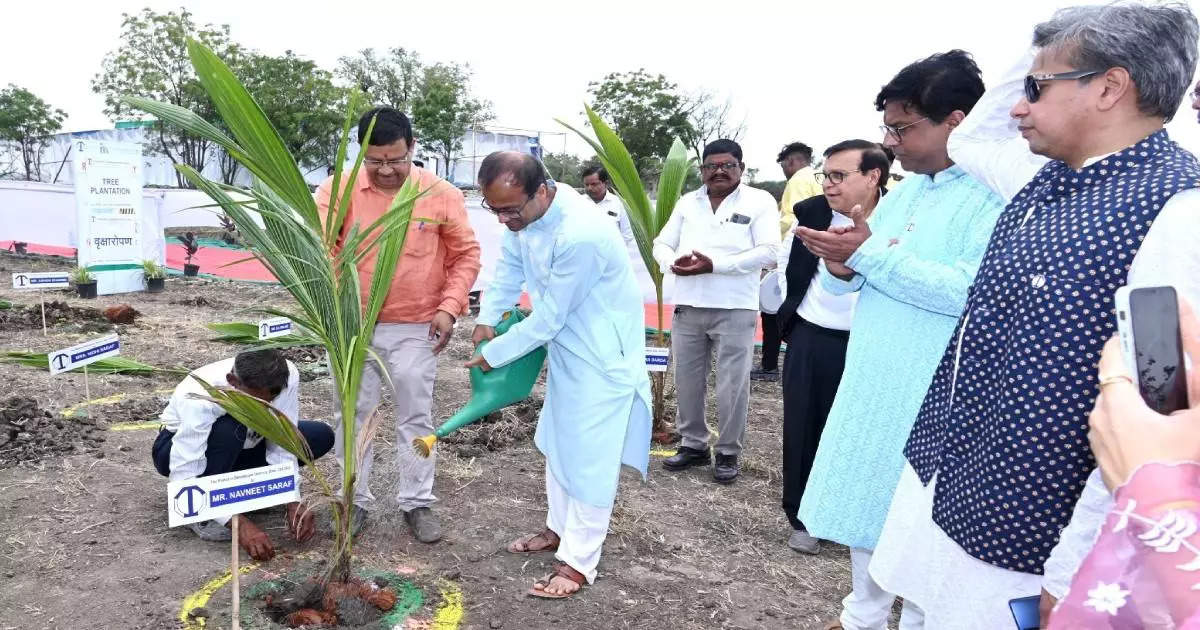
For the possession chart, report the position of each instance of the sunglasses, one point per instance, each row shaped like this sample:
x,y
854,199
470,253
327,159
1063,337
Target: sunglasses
x,y
1033,87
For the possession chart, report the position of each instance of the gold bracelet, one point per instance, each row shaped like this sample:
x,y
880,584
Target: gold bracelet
x,y
1114,378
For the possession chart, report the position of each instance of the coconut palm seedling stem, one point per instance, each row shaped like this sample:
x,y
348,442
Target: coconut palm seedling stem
x,y
312,254
646,219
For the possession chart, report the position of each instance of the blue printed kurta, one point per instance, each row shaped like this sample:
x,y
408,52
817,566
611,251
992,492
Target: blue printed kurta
x,y
587,310
928,237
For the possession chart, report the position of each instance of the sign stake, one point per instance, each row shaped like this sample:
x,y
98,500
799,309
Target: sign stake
x,y
233,571
42,298
87,391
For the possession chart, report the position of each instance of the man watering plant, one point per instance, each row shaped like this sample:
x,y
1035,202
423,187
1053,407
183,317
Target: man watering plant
x,y
587,310
199,439
435,272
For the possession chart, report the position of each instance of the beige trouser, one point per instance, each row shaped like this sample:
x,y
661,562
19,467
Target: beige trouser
x,y
408,354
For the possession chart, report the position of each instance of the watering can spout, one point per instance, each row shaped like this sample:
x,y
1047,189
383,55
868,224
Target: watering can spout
x,y
491,391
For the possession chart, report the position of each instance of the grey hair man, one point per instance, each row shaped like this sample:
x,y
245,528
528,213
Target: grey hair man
x,y
998,461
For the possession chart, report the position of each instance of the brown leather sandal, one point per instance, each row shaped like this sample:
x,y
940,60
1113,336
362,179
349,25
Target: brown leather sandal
x,y
561,570
547,541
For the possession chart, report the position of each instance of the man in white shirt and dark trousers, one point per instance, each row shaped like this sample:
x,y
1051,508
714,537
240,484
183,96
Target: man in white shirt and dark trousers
x,y
716,242
595,183
199,439
816,322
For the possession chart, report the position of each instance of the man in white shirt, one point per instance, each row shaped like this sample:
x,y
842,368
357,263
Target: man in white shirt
x,y
199,439
716,242
815,321
595,182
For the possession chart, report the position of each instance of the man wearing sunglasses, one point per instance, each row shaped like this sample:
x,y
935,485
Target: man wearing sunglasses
x,y
912,267
717,241
1098,197
438,266
588,312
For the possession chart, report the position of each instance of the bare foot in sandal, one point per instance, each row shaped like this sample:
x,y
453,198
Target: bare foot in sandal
x,y
545,540
563,583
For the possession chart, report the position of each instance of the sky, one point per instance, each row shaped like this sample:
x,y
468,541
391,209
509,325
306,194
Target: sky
x,y
806,71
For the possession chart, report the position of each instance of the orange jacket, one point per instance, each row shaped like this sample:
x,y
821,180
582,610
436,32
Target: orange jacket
x,y
440,260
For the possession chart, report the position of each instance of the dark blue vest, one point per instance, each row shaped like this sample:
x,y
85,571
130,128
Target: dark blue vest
x,y
1004,423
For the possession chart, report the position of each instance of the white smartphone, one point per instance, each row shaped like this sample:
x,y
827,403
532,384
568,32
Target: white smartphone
x,y
1148,326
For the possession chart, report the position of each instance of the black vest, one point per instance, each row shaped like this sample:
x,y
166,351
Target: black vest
x,y
814,213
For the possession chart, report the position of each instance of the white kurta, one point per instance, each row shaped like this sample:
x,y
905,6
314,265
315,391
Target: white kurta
x,y
587,310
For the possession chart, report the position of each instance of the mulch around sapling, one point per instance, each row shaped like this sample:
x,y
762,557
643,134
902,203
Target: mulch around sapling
x,y
59,315
374,600
29,434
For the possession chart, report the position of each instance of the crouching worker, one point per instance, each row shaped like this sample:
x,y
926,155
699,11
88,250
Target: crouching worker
x,y
199,439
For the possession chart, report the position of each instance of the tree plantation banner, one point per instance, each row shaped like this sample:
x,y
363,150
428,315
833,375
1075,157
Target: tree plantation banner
x,y
108,198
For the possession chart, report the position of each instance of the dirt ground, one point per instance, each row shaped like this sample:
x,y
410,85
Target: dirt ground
x,y
84,542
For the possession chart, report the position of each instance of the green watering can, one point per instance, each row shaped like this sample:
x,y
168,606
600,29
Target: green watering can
x,y
492,390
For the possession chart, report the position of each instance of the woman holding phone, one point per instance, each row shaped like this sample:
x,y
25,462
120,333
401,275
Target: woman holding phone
x,y
1144,570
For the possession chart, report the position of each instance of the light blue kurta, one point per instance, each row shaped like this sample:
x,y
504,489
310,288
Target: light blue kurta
x,y
928,237
587,310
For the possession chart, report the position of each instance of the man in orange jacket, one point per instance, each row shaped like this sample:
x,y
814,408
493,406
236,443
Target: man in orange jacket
x,y
429,291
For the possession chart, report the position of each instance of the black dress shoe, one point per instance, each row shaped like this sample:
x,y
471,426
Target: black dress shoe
x,y
687,457
725,470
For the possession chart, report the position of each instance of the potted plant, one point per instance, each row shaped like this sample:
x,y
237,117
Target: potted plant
x,y
85,282
190,247
156,276
302,247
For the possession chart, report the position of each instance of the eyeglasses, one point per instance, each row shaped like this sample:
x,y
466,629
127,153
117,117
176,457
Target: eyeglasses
x,y
511,210
897,133
834,177
1033,88
374,163
723,166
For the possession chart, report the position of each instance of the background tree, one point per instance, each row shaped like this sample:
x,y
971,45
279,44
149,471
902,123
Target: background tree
x,y
392,78
300,100
565,168
646,111
26,123
711,118
444,110
152,62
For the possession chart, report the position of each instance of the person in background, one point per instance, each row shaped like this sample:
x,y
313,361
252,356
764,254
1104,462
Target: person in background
x,y
815,322
587,312
717,241
595,183
913,268
997,460
199,439
1140,571
438,266
795,159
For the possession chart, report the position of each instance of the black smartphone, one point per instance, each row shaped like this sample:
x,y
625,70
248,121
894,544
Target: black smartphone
x,y
1025,612
1148,325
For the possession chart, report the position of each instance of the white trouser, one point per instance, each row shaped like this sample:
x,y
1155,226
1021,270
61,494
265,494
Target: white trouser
x,y
581,528
868,606
408,354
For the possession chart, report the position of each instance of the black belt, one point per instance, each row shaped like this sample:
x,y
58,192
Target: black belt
x,y
840,334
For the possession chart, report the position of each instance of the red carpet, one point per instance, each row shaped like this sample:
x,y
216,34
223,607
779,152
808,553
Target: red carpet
x,y
212,260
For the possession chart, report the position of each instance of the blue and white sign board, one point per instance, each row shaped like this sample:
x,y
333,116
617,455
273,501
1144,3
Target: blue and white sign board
x,y
78,356
108,200
274,327
42,280
217,496
657,359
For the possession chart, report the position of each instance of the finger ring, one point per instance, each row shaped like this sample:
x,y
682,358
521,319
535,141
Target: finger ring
x,y
1114,378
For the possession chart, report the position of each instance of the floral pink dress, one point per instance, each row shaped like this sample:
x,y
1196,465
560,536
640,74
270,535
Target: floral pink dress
x,y
1144,570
